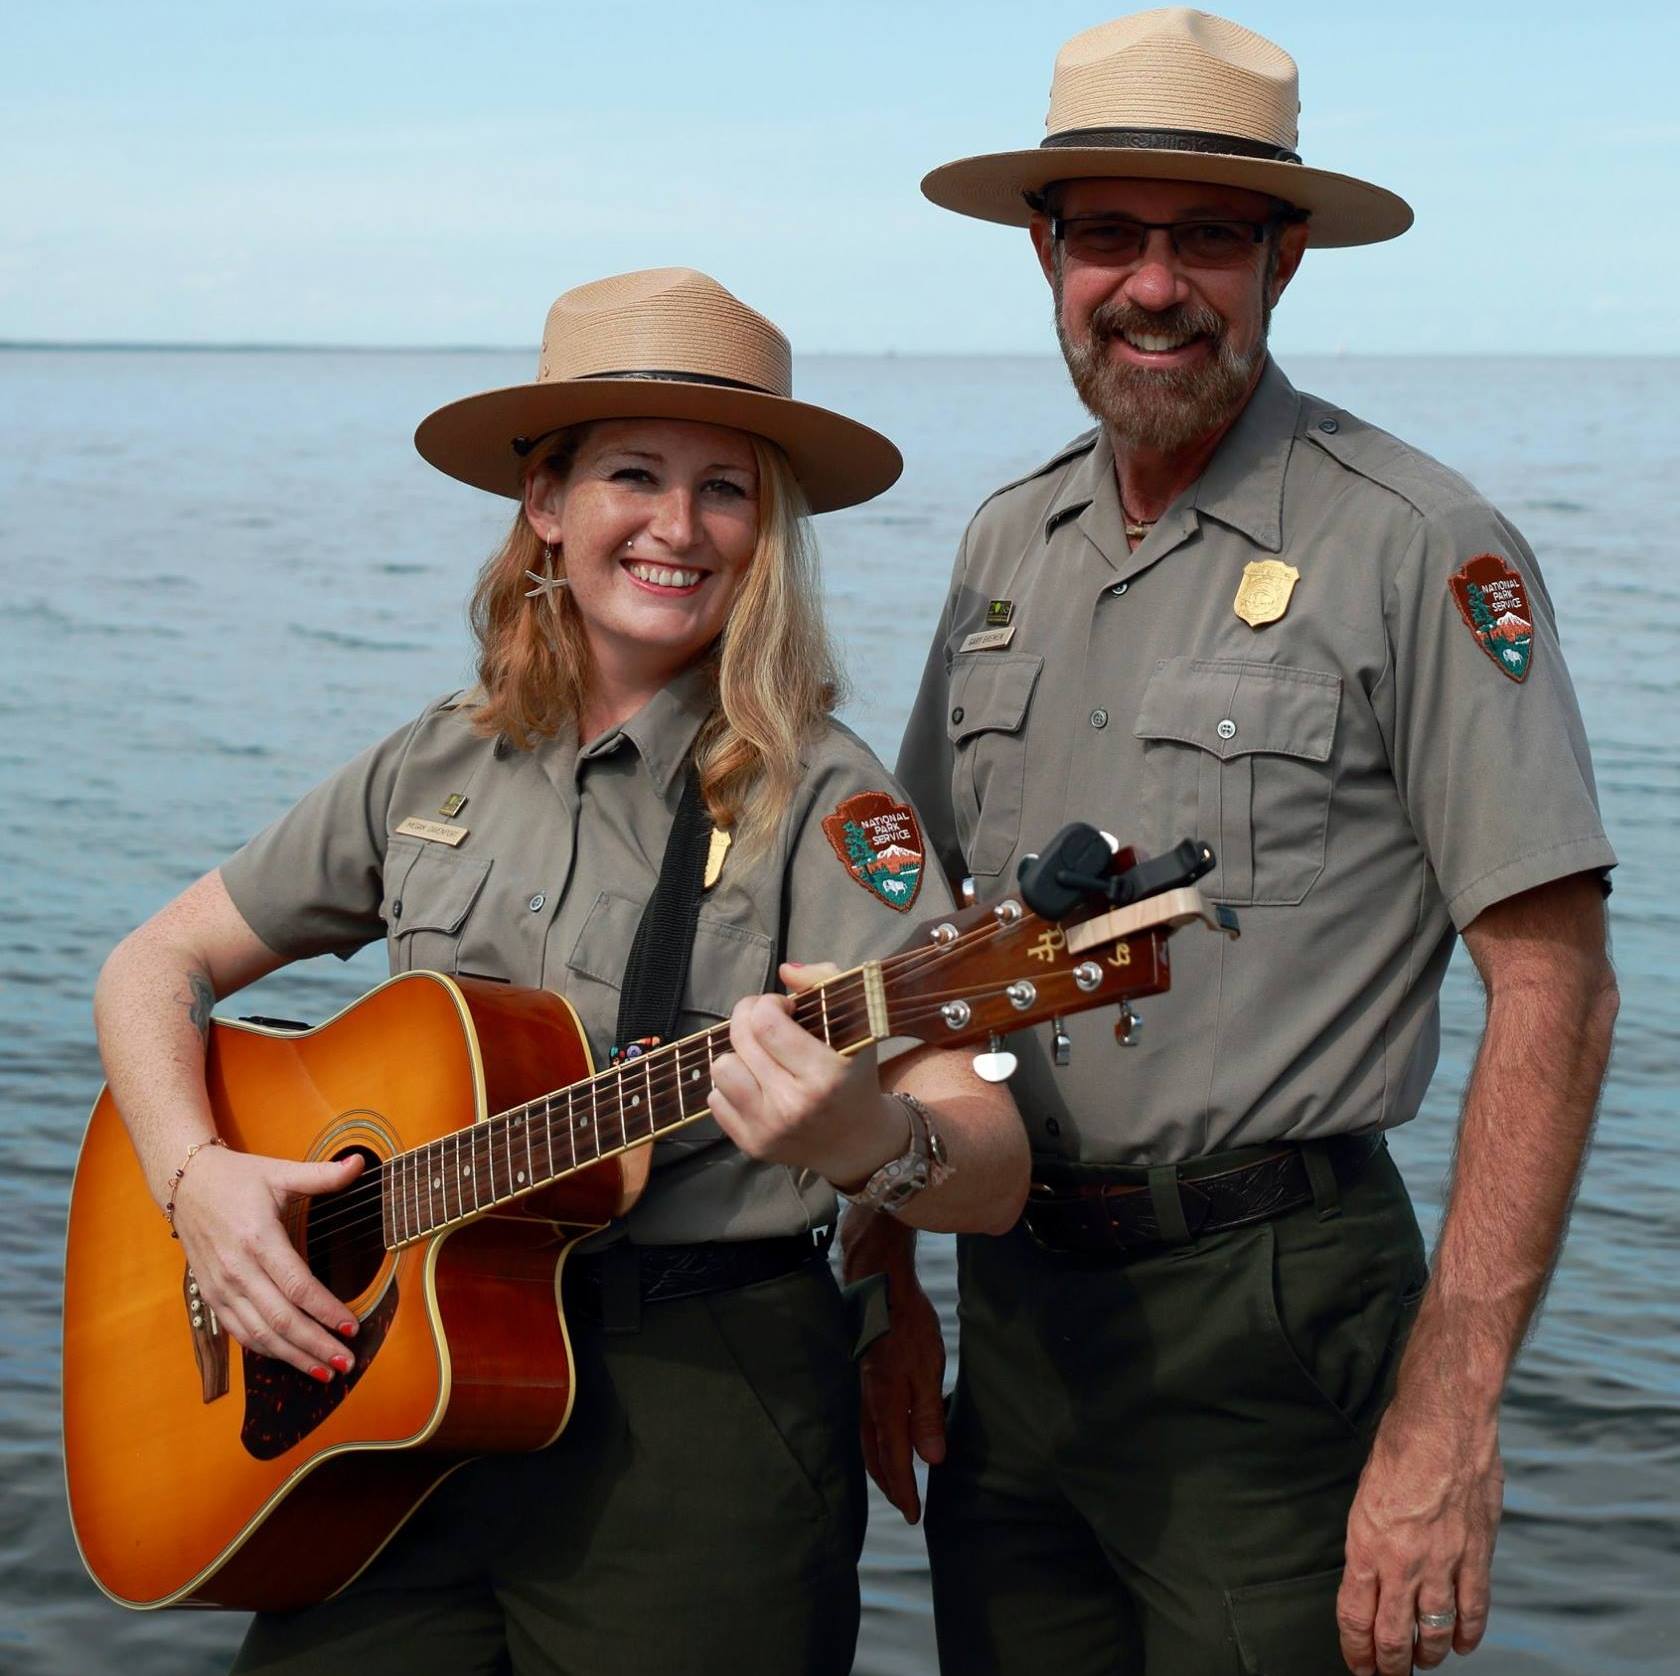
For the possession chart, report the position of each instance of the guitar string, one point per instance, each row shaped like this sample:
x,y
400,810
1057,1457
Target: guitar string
x,y
371,1224
652,1075
661,1071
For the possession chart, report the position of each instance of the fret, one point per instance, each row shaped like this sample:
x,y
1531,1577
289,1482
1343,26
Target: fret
x,y
474,1134
500,1140
387,1210
571,1133
530,1164
435,1212
652,1104
822,998
402,1185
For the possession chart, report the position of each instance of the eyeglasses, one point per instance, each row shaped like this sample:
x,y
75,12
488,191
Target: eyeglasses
x,y
1116,240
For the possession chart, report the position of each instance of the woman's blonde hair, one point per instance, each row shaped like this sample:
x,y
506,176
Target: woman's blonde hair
x,y
773,670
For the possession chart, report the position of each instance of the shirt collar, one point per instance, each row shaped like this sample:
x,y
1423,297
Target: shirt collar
x,y
664,729
1243,483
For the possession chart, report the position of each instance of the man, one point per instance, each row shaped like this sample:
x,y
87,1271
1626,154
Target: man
x,y
1190,1432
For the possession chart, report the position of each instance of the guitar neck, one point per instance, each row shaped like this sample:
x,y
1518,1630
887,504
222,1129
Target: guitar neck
x,y
634,1103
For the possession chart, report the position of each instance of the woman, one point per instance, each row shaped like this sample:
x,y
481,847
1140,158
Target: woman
x,y
650,620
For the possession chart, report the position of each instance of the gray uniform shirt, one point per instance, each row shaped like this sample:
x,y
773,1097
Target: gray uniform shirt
x,y
562,852
1398,751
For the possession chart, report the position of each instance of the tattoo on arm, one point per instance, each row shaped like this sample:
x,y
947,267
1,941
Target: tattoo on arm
x,y
202,999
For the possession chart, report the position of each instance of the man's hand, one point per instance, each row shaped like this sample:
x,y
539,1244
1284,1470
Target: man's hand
x,y
903,1371
1420,1542
903,1374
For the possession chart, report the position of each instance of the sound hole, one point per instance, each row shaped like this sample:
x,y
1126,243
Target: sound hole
x,y
343,1234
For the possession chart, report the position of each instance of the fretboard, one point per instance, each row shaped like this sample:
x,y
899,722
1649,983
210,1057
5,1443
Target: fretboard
x,y
636,1101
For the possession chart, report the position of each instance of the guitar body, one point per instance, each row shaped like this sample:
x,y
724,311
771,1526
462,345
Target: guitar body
x,y
199,1474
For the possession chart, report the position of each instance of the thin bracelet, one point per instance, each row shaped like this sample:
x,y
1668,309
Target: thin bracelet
x,y
175,1180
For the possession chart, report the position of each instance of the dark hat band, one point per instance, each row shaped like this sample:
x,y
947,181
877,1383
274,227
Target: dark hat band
x,y
1168,139
524,446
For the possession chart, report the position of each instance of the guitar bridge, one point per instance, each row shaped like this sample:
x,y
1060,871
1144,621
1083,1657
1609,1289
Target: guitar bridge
x,y
210,1344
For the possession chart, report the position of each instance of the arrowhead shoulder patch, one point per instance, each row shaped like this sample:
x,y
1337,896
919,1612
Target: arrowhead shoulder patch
x,y
1493,602
879,842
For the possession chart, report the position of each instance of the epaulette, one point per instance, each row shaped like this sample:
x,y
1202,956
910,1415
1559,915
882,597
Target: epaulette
x,y
1081,444
1417,478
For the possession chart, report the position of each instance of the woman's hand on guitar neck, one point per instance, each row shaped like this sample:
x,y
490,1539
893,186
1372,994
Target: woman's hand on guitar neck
x,y
227,1213
784,1097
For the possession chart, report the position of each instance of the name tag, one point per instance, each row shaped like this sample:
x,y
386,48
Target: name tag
x,y
987,640
434,832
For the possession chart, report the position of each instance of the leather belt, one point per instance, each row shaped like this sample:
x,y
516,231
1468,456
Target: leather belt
x,y
660,1273
1092,1209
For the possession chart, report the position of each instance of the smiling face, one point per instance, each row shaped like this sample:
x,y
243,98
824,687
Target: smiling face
x,y
655,524
1162,350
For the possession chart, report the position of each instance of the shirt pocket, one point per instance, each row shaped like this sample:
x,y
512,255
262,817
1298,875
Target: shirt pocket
x,y
728,962
990,693
429,892
1240,755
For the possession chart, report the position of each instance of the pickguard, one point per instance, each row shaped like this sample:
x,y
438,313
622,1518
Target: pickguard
x,y
283,1405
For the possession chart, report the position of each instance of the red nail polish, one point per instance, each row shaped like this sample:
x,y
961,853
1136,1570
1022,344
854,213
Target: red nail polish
x,y
320,1373
347,1329
341,1362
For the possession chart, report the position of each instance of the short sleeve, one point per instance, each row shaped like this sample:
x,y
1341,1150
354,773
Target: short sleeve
x,y
859,875
924,755
313,882
1489,751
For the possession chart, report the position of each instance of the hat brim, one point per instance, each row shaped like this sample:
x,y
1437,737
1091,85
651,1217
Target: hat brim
x,y
838,461
1344,211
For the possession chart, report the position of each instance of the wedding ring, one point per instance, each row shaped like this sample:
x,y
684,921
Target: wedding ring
x,y
1437,1620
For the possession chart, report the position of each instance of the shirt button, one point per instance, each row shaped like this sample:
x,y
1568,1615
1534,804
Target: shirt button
x,y
1328,426
957,714
1119,589
1052,1127
396,909
1227,729
537,902
1099,718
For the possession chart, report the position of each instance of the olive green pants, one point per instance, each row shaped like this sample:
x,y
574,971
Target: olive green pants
x,y
1151,1459
702,1512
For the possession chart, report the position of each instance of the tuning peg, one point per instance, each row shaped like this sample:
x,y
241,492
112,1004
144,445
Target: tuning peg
x,y
1128,1026
1061,1044
967,891
996,1064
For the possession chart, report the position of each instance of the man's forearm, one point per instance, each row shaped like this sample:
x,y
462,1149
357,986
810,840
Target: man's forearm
x,y
1527,1116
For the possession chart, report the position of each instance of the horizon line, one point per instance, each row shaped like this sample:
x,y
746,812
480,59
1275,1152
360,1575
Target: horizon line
x,y
255,346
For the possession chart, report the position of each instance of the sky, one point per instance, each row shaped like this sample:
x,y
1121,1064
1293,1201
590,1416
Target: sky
x,y
434,172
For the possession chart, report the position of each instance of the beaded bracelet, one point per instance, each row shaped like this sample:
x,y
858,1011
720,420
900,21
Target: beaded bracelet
x,y
175,1180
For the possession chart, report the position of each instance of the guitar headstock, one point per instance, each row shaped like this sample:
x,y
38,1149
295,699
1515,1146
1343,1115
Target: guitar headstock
x,y
990,969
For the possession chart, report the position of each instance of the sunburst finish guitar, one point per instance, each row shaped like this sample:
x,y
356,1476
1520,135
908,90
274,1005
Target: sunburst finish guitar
x,y
203,1474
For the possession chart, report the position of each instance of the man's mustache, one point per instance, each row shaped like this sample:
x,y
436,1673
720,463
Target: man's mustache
x,y
1115,318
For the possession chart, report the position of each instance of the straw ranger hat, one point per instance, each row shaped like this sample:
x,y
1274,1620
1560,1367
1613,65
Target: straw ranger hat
x,y
665,343
1172,94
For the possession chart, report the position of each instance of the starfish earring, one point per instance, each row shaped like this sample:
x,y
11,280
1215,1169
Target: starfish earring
x,y
547,583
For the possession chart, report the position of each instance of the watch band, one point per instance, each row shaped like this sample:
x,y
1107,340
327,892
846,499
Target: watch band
x,y
922,1164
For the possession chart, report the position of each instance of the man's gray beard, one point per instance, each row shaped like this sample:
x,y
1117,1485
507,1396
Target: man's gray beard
x,y
1169,409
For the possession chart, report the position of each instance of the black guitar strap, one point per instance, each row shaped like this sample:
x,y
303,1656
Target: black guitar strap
x,y
654,976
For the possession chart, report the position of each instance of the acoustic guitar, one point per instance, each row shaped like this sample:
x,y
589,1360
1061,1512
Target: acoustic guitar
x,y
202,1474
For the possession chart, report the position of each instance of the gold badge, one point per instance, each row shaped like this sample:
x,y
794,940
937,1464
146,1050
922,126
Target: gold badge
x,y
715,852
453,804
1264,594
999,612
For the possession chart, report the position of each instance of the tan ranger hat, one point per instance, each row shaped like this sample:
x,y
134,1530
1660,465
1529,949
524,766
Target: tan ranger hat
x,y
665,343
1172,94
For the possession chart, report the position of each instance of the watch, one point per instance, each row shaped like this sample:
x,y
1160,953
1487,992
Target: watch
x,y
922,1164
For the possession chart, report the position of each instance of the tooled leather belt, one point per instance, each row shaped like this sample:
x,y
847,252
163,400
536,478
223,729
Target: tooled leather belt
x,y
1090,1209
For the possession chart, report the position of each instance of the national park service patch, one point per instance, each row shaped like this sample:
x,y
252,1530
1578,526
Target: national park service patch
x,y
880,844
1493,602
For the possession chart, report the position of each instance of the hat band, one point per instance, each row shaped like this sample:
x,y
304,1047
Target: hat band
x,y
1169,139
684,378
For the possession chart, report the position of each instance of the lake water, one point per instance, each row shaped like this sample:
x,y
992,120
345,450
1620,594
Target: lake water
x,y
225,572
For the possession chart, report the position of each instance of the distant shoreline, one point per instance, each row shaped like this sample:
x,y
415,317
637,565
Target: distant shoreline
x,y
118,346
